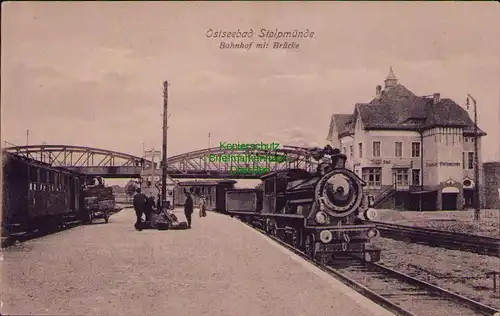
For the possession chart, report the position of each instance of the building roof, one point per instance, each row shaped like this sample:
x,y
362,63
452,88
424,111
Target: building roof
x,y
206,183
339,120
398,108
289,173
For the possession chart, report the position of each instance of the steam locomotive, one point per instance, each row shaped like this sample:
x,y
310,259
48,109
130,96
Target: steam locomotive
x,y
320,213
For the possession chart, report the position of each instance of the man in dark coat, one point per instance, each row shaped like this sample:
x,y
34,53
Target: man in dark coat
x,y
149,207
139,205
158,203
188,208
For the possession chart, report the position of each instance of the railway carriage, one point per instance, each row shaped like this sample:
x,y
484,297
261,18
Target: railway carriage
x,y
214,192
37,196
319,212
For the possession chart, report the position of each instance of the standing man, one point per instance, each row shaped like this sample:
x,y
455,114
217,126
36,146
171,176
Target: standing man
x,y
149,207
203,206
158,203
139,204
188,208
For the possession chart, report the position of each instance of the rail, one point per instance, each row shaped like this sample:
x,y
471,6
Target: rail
x,y
437,238
394,280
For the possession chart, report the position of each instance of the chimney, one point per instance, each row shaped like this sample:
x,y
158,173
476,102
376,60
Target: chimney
x,y
436,98
378,91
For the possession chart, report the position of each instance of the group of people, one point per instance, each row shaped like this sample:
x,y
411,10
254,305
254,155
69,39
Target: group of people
x,y
144,205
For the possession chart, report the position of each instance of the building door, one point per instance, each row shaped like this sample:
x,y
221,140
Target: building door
x,y
449,201
469,197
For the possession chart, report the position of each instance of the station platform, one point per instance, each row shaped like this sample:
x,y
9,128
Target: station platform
x,y
220,267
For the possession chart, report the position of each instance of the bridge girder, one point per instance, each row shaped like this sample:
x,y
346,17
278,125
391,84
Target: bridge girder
x,y
195,164
77,156
199,163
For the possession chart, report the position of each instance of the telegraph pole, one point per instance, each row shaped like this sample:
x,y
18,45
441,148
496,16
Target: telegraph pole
x,y
209,140
477,203
27,137
164,147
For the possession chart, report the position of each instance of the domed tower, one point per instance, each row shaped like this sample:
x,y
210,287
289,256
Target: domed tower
x,y
391,80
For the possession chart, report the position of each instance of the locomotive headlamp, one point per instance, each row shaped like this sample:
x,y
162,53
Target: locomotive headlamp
x,y
373,232
326,236
321,218
370,214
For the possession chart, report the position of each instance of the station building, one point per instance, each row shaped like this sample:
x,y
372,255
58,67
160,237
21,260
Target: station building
x,y
492,184
413,152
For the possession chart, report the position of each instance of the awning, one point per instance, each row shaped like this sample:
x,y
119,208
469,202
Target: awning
x,y
402,166
422,192
450,190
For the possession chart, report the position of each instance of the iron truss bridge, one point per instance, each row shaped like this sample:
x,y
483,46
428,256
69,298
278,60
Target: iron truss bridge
x,y
212,163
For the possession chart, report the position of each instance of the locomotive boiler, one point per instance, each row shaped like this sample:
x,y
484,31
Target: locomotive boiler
x,y
319,212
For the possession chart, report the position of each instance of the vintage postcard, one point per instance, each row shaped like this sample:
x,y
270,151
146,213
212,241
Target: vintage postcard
x,y
250,158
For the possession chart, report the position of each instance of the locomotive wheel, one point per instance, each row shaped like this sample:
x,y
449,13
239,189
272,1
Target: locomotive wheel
x,y
309,246
280,233
271,226
298,238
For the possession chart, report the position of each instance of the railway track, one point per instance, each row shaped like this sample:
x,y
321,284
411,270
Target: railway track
x,y
400,293
437,238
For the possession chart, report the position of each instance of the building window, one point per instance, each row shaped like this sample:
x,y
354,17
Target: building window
x,y
376,149
372,177
415,149
470,160
360,147
398,149
401,176
463,160
351,151
415,176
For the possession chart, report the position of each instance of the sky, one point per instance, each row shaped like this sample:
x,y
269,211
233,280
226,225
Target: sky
x,y
91,74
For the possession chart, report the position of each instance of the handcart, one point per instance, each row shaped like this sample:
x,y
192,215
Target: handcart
x,y
98,209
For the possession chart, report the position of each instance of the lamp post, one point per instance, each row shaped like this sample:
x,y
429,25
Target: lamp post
x,y
476,161
164,147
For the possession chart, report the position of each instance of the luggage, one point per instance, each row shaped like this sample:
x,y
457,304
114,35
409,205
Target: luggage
x,y
181,225
162,226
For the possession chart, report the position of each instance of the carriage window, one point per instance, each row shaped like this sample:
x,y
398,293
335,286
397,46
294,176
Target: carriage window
x,y
269,186
33,174
44,176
